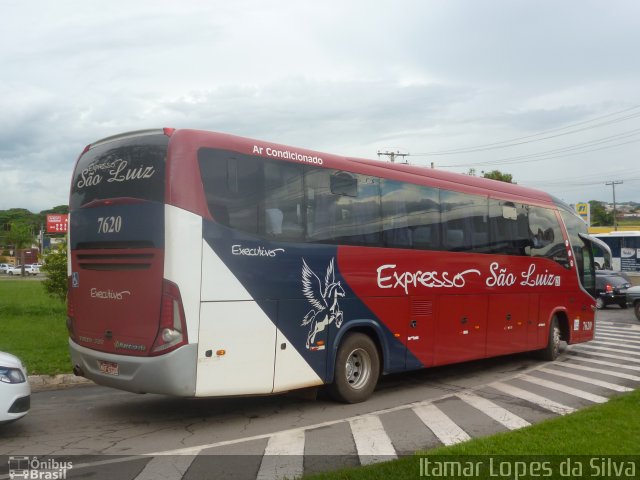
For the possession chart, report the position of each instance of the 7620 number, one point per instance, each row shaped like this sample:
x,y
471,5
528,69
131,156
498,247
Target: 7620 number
x,y
109,224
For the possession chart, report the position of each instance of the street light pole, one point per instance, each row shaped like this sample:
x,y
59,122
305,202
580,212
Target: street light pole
x,y
613,184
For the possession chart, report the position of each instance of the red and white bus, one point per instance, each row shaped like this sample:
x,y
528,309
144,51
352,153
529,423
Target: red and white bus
x,y
205,264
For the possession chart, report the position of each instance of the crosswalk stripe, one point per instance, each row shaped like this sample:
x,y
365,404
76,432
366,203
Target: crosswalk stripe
x,y
578,357
447,431
597,370
165,467
597,353
592,381
499,414
564,388
372,442
283,457
635,334
618,338
618,344
539,400
608,349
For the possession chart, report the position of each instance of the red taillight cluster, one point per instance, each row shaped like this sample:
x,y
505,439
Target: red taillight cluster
x,y
173,329
608,288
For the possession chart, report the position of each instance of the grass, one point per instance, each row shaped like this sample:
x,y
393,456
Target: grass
x,y
603,430
33,327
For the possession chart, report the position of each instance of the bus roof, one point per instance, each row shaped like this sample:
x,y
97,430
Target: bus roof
x,y
187,142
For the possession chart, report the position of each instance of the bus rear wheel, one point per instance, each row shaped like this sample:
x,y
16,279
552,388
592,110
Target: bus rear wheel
x,y
551,351
357,369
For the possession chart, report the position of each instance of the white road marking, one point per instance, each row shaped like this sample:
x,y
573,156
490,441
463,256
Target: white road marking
x,y
621,345
592,381
632,332
372,442
612,373
621,339
604,362
564,388
166,467
539,400
447,431
598,353
609,349
499,414
283,457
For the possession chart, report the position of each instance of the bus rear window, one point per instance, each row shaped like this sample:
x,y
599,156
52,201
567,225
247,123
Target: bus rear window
x,y
125,167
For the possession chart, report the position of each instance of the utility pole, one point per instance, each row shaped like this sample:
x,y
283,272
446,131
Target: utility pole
x,y
392,155
613,184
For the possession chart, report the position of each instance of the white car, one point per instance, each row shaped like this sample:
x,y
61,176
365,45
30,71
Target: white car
x,y
15,270
15,392
4,267
32,269
28,270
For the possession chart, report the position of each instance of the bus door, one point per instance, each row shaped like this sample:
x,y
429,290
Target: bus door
x,y
461,328
237,335
236,348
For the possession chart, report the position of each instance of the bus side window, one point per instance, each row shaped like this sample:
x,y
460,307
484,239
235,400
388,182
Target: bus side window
x,y
546,236
321,205
358,221
232,186
509,228
283,200
410,215
464,221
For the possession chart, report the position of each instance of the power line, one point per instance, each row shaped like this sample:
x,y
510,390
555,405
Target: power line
x,y
531,138
530,158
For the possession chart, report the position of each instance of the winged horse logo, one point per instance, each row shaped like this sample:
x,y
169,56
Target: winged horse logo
x,y
323,300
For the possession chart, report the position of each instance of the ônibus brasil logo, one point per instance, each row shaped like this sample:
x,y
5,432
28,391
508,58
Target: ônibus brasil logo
x,y
38,469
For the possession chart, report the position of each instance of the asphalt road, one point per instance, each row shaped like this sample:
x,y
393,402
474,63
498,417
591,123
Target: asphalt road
x,y
111,434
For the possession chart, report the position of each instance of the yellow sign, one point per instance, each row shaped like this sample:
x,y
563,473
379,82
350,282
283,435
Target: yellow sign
x,y
584,210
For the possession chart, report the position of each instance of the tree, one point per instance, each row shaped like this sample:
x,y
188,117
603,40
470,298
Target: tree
x,y
55,266
498,175
599,216
20,236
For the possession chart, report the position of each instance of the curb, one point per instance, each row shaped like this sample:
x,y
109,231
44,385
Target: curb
x,y
53,382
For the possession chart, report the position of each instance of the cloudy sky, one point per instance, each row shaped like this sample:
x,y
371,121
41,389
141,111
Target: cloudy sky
x,y
548,91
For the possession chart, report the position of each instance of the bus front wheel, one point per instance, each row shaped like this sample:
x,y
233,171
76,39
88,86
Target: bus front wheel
x,y
357,369
551,351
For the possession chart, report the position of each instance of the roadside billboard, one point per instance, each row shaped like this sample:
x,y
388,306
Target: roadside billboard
x,y
57,223
584,210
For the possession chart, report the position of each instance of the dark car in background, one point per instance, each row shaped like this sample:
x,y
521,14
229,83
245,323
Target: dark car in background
x,y
633,300
611,288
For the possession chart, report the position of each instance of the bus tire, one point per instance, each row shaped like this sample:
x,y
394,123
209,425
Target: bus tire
x,y
636,309
357,369
551,351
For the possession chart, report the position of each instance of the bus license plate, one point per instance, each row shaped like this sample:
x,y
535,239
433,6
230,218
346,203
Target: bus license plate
x,y
109,368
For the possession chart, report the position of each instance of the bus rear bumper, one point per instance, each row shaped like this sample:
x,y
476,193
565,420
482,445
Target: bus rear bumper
x,y
171,374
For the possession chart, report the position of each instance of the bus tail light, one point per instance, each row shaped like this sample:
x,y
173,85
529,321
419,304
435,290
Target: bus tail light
x,y
173,330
